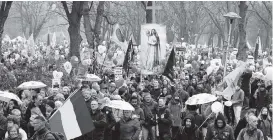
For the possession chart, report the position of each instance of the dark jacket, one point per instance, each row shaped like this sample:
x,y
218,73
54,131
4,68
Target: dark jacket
x,y
99,120
110,119
150,110
140,114
128,129
223,133
265,125
32,105
175,110
241,125
164,120
192,133
43,134
155,93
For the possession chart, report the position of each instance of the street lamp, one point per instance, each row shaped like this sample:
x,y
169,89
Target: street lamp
x,y
231,16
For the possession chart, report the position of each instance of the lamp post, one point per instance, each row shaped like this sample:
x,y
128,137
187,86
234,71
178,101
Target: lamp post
x,y
231,16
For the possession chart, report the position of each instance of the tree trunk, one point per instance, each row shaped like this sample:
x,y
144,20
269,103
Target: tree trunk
x,y
97,28
87,25
5,7
149,16
74,19
219,42
242,48
236,39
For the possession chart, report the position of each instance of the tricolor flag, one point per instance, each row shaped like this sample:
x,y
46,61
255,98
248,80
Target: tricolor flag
x,y
73,118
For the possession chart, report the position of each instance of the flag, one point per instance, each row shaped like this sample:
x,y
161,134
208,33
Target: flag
x,y
73,118
128,56
53,40
258,48
169,69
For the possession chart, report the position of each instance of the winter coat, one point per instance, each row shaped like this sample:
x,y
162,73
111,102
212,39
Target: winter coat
x,y
43,134
140,114
99,120
241,125
150,110
263,98
247,134
266,127
155,93
110,119
175,110
32,105
164,120
128,129
216,133
192,133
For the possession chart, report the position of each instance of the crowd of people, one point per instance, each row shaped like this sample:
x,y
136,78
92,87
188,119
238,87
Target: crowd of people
x,y
161,112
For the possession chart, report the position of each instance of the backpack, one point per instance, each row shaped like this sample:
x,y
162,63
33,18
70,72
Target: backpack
x,y
57,135
244,131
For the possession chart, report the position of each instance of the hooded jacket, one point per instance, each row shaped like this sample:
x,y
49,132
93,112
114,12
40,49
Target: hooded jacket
x,y
216,133
192,133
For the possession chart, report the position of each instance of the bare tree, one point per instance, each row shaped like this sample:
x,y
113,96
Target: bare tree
x,y
33,16
4,12
74,20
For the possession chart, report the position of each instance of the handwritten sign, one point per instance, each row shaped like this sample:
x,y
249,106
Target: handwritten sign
x,y
118,73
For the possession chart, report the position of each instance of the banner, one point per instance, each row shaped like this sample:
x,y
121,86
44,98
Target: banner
x,y
153,47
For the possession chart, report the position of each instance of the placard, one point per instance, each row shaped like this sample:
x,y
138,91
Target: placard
x,y
118,73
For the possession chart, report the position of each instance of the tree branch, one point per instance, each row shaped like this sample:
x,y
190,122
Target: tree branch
x,y
268,9
260,15
66,9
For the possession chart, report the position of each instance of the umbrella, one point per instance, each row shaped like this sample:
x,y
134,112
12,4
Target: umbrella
x,y
7,96
91,78
201,98
119,104
32,85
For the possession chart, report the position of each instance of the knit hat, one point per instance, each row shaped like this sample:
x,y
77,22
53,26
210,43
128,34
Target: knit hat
x,y
51,104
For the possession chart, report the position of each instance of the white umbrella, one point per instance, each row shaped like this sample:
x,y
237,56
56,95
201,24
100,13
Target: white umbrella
x,y
119,104
91,78
7,96
201,98
32,85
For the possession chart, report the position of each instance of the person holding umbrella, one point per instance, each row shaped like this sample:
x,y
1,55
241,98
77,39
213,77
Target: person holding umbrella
x,y
128,128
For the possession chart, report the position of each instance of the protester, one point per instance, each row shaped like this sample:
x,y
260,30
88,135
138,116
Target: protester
x,y
220,130
150,108
11,121
41,131
128,128
237,102
243,122
251,132
188,132
265,123
13,133
164,121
